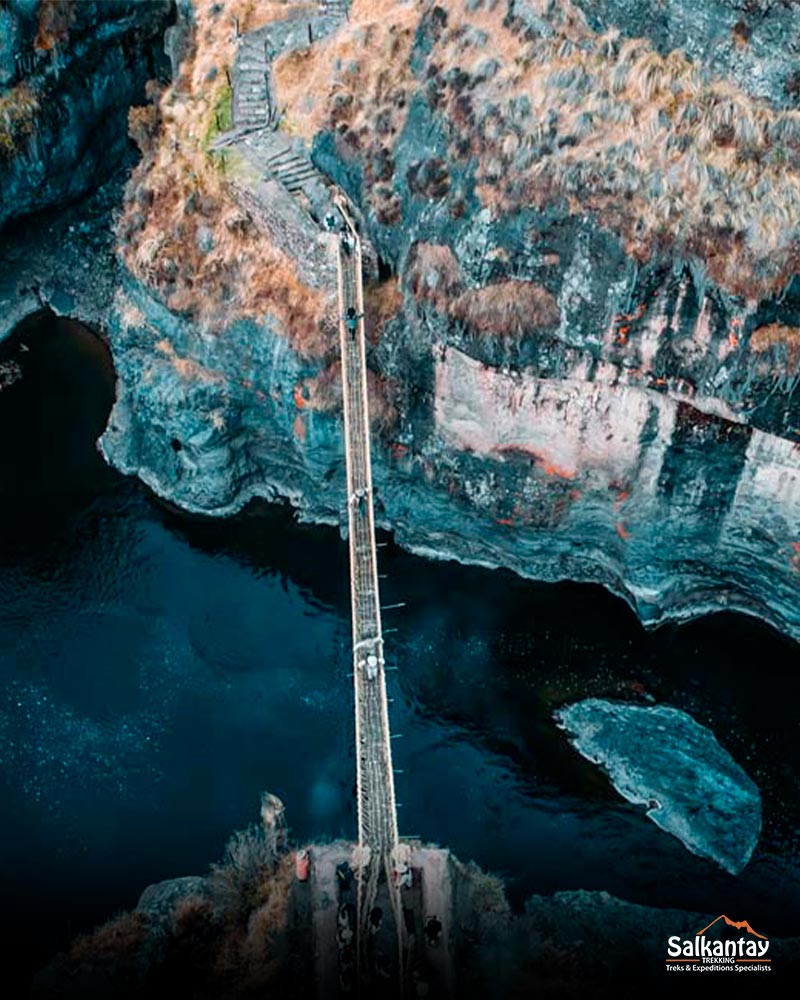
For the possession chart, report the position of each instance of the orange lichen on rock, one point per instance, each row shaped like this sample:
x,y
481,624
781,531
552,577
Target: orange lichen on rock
x,y
55,18
181,231
549,469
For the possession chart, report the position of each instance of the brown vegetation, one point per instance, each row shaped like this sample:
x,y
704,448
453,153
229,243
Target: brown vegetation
x,y
18,109
55,18
181,232
120,938
240,881
227,943
382,302
506,308
775,335
662,153
359,82
434,274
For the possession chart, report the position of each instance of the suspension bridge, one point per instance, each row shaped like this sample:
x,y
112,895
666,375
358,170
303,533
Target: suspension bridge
x,y
379,852
380,910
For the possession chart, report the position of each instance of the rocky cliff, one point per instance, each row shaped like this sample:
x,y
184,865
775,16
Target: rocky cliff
x,y
583,305
68,74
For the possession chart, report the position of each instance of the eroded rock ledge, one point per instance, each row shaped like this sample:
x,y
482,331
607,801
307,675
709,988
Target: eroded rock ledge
x,y
584,366
559,390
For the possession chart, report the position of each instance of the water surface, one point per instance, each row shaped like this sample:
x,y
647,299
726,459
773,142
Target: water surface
x,y
159,671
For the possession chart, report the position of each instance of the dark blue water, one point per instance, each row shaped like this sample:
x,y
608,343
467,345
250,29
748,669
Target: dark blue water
x,y
159,671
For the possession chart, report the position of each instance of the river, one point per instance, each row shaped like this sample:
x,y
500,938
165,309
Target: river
x,y
159,671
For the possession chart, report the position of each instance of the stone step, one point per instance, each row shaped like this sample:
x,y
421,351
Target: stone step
x,y
296,166
282,160
299,175
295,183
286,169
257,120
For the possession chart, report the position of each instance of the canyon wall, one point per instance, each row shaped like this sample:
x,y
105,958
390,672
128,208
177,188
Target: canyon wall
x,y
584,314
68,75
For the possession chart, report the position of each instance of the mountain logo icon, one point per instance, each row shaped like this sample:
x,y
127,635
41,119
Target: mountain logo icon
x,y
738,925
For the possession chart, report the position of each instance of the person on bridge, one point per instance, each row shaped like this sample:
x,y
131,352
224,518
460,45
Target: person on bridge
x,y
359,497
433,930
347,246
344,875
351,319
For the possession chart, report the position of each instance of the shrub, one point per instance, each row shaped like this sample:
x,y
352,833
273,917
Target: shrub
x,y
238,882
18,109
55,18
119,938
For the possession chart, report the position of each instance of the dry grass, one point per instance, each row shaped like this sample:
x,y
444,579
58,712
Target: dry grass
x,y
181,231
271,918
785,338
55,18
119,938
661,153
434,274
506,308
382,302
245,954
240,881
18,109
190,914
359,81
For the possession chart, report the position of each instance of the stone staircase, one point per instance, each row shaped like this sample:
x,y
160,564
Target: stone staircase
x,y
291,169
251,97
335,8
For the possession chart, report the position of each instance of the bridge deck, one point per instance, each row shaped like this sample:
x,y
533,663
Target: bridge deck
x,y
377,815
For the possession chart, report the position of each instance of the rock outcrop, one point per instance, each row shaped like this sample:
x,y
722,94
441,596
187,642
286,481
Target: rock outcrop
x,y
68,74
583,305
585,326
659,757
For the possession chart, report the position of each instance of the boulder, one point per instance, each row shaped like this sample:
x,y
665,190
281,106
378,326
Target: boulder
x,y
660,757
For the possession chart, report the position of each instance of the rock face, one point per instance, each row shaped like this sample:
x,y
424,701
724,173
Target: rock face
x,y
553,399
68,74
752,42
159,900
580,371
660,757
